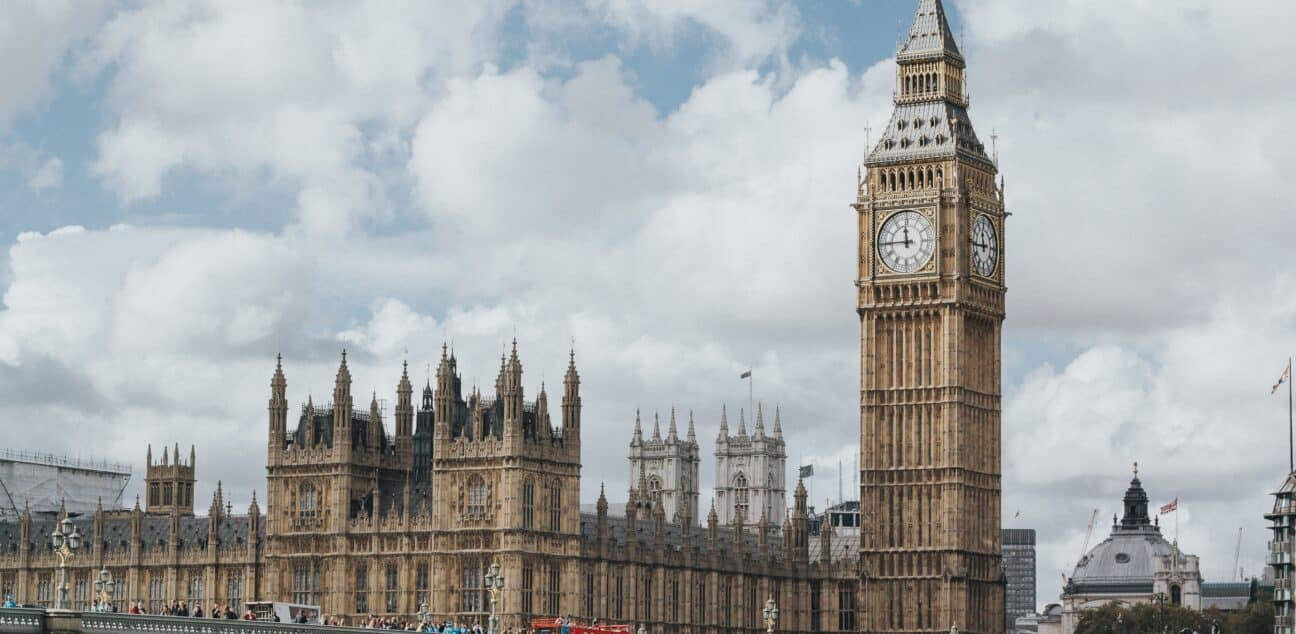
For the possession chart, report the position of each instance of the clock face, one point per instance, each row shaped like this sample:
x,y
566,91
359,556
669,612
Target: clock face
x,y
906,241
985,246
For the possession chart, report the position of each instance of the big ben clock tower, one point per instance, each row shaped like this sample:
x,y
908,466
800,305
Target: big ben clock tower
x,y
931,304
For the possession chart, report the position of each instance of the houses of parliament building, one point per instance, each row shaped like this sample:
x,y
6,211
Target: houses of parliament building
x,y
361,521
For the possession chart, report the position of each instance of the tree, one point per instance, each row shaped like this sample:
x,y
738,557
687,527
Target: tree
x,y
1141,619
1256,618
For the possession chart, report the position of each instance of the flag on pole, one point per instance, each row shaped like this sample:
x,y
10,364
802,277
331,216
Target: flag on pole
x,y
807,470
747,375
1283,378
1173,506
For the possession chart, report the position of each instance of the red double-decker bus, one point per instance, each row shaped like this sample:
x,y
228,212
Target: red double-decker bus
x,y
573,626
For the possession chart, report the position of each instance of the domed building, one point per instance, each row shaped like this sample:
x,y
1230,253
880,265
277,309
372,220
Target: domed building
x,y
1135,564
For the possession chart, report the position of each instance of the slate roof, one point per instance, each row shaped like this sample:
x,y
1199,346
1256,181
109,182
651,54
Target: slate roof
x,y
154,533
930,36
928,130
1227,595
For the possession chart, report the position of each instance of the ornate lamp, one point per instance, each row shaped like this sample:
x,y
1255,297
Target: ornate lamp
x,y
104,587
494,581
771,613
66,540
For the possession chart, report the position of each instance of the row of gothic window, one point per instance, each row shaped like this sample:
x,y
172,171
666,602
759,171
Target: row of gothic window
x,y
904,179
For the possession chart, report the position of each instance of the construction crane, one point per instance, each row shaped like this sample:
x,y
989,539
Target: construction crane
x,y
1084,548
1237,552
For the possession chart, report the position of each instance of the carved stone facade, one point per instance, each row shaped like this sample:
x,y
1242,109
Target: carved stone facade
x,y
169,483
931,304
668,468
751,471
348,528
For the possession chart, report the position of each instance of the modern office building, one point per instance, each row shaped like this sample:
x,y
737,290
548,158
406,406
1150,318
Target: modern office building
x,y
1019,569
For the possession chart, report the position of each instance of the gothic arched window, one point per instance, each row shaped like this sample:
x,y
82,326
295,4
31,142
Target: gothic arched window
x,y
528,503
306,503
555,506
740,496
477,498
654,489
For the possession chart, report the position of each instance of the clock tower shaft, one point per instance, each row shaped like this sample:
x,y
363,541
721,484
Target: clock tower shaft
x,y
930,431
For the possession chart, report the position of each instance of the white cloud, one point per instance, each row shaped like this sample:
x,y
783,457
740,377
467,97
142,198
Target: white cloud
x,y
48,176
35,38
1191,405
314,89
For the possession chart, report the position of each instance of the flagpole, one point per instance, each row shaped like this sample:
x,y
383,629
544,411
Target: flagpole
x,y
1291,458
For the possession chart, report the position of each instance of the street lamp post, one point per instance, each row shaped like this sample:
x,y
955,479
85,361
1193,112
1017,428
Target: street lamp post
x,y
104,587
771,613
66,540
494,584
1160,599
423,616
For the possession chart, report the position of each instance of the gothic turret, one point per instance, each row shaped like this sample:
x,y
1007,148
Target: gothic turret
x,y
571,402
404,414
277,409
672,436
342,405
636,437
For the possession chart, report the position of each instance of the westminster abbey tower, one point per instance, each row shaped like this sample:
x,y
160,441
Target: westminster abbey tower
x,y
931,303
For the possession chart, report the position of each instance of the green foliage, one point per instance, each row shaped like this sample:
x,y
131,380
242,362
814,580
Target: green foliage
x,y
1257,618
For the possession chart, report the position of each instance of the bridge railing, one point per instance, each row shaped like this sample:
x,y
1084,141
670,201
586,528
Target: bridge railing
x,y
40,621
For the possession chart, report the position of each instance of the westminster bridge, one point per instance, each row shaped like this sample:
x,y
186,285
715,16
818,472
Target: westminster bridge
x,y
42,621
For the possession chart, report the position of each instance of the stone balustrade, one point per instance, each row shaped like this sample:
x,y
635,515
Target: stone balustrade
x,y
40,621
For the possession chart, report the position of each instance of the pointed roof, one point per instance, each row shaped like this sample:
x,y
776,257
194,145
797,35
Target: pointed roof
x,y
637,436
405,386
656,428
672,435
759,431
930,35
571,376
724,422
692,434
277,382
778,423
742,424
343,373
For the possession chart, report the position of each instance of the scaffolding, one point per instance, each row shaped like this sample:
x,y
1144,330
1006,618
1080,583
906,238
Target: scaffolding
x,y
44,482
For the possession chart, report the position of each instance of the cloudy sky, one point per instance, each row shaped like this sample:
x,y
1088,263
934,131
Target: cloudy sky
x,y
187,189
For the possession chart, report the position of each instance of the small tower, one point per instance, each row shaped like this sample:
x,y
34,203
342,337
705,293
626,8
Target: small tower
x,y
750,471
170,483
669,467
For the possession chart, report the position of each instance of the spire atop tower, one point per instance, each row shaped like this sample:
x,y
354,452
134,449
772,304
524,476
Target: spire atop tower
x,y
672,436
930,35
742,423
277,382
724,423
692,434
778,424
637,437
656,437
343,373
759,432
